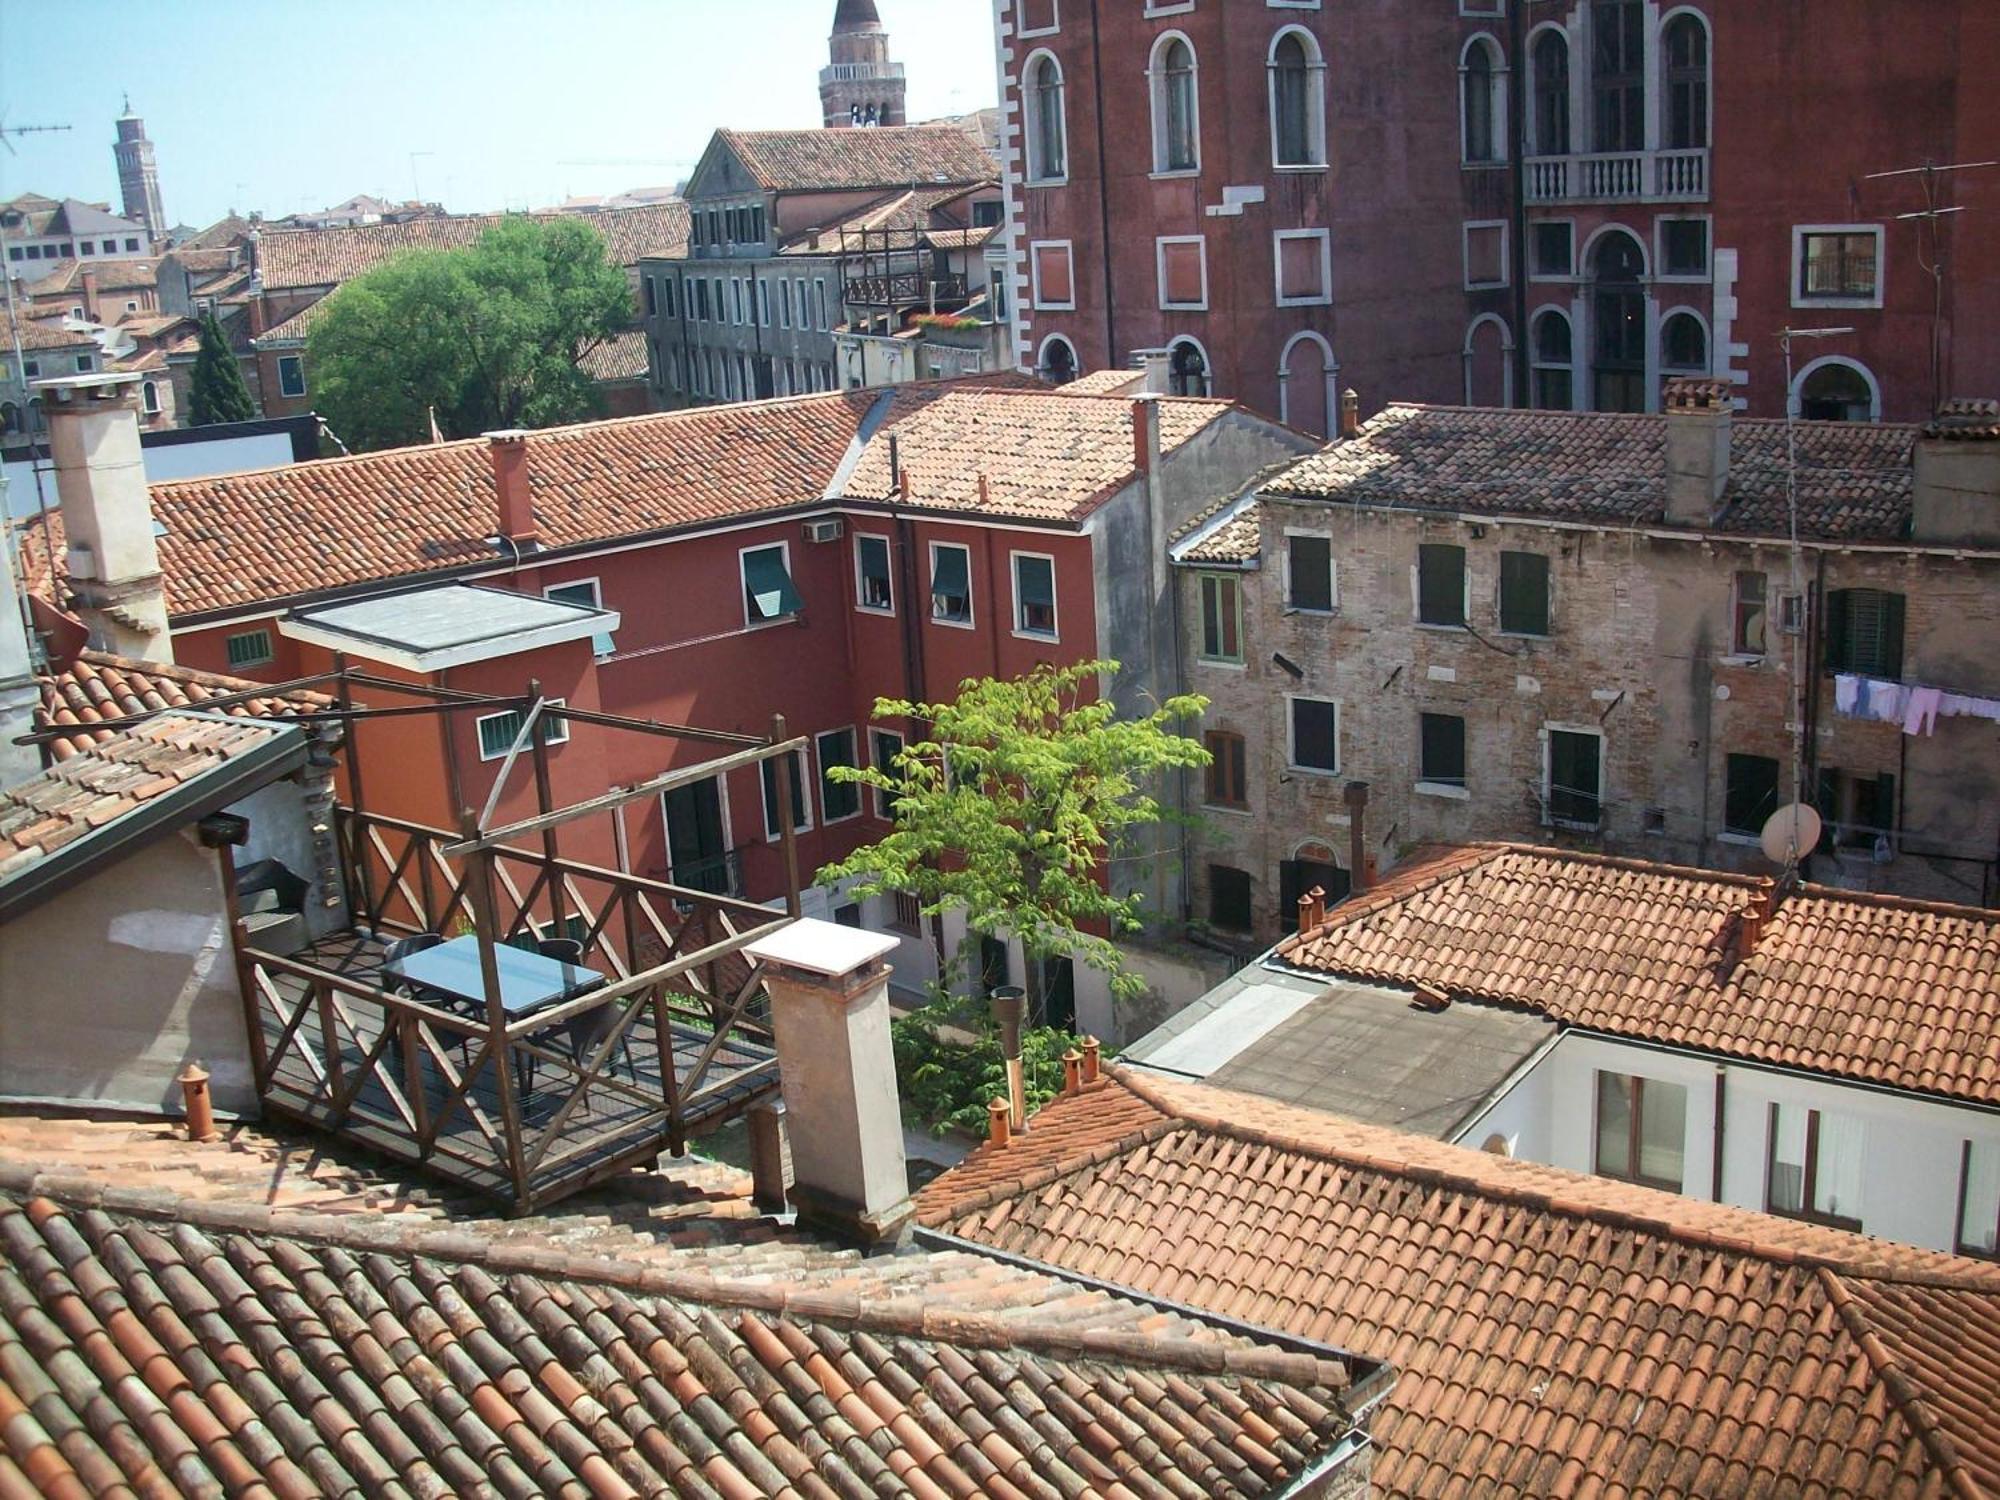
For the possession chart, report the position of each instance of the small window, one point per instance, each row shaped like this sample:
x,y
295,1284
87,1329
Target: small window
x,y
1221,618
885,745
1857,809
802,818
1839,265
837,799
1641,1131
1814,1167
1576,778
291,375
652,297
584,592
1035,595
1555,374
906,913
768,592
1979,1199
875,591
1227,783
951,584
1309,573
497,732
149,398
1836,391
85,363
1864,633
1684,246
986,215
1315,735
1441,749
1229,904
1554,248
250,649
1749,631
1684,345
1441,584
1750,794
1524,593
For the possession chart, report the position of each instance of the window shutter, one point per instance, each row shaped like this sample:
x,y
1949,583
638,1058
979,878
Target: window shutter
x,y
1038,583
1524,593
772,595
1311,572
1441,584
1890,651
949,573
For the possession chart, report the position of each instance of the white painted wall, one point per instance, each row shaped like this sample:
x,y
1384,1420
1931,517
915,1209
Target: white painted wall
x,y
1911,1157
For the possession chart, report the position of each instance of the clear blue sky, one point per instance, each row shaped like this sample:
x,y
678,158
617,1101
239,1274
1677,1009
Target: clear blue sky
x,y
284,105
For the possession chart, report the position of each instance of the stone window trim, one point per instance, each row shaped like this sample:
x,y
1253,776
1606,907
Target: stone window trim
x,y
1324,296
1068,249
1292,762
1566,276
1051,29
1663,265
1044,140
1482,103
1332,574
1175,95
1803,238
1499,227
1161,245
1312,149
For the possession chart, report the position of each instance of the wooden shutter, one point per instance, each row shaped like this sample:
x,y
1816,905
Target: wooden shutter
x,y
1524,593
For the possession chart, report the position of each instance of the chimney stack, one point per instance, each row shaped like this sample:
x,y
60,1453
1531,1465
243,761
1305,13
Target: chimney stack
x,y
829,993
1350,413
508,451
1159,367
1957,479
1355,795
1145,434
1698,413
1010,1014
114,559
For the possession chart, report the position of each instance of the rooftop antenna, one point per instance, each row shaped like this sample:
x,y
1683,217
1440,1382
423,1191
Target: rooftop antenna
x,y
416,192
1930,246
20,360
12,130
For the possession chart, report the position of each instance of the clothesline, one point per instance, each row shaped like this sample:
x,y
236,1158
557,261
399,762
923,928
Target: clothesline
x,y
1917,709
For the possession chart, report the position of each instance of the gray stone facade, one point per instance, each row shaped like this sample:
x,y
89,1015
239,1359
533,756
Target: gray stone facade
x,y
740,326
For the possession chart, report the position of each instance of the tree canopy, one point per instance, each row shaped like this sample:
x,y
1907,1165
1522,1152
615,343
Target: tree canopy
x,y
216,393
491,336
1014,805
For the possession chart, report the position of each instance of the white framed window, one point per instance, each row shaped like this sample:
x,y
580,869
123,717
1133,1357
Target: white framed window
x,y
1046,127
784,303
584,591
1834,388
1573,776
1837,265
249,648
1297,86
85,363
1312,735
1188,371
1171,77
1485,246
798,770
497,732
951,584
1552,349
1034,595
1684,85
1302,262
1181,262
1057,362
1482,7
769,595
874,579
819,304
763,302
1052,274
1039,17
1312,585
149,398
1683,342
1482,108
838,800
1549,103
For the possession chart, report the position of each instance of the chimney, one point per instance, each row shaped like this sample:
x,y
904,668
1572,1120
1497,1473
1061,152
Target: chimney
x,y
1698,412
1159,367
250,243
1360,873
1092,1062
90,294
508,451
1350,413
1957,479
114,560
1010,1013
1145,434
829,993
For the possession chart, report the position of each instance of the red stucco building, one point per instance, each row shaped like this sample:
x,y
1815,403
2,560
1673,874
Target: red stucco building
x,y
1508,202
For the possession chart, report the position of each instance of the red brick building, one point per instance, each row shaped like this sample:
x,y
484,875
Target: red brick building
x,y
1507,202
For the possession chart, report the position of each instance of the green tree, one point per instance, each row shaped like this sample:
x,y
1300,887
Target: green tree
x,y
1014,807
217,392
488,337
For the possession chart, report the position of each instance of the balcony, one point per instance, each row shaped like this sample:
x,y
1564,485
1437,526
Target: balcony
x,y
1619,177
913,288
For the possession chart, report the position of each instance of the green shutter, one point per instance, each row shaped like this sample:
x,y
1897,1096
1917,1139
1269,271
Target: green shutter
x,y
1038,581
1441,584
768,586
1524,593
951,583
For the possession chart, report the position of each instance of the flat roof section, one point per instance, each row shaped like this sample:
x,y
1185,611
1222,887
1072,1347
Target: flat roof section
x,y
429,630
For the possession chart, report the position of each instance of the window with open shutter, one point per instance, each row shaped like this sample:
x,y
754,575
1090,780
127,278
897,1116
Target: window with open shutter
x,y
768,591
951,584
1864,632
1034,595
1228,784
1524,593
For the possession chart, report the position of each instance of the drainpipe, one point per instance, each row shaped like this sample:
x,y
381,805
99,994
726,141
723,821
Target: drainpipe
x,y
1517,177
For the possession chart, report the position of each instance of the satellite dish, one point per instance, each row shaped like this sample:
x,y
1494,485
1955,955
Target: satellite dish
x,y
1794,826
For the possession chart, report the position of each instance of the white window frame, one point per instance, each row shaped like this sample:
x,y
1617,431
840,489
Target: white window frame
x,y
808,779
554,590
1667,315
1031,122
1315,98
268,655
1157,8
558,729
1160,244
1506,253
1798,265
1042,354
1484,8
1068,248
784,302
1550,729
1534,145
1796,400
762,299
149,398
1156,93
743,582
1021,630
1207,364
1278,239
1332,571
1054,26
1561,278
853,731
889,551
970,622
1502,144
819,298
1291,735
1535,361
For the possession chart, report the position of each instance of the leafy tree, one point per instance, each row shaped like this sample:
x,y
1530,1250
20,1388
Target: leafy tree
x,y
949,1065
1014,806
490,336
217,392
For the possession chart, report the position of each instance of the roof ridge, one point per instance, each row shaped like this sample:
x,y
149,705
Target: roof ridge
x,y
909,1316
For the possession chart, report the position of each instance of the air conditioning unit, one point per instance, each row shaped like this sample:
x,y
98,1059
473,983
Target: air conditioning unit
x,y
823,531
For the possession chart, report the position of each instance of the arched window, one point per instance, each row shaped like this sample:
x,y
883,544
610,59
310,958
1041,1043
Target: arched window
x,y
1838,390
1551,64
1188,372
1483,125
1298,100
1306,376
1684,345
1554,351
1489,362
1058,362
1176,121
1618,316
1684,43
149,398
1048,136
1618,75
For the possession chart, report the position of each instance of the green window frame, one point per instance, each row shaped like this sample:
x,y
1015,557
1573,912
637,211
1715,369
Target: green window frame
x,y
584,591
249,648
1864,632
497,732
769,595
837,799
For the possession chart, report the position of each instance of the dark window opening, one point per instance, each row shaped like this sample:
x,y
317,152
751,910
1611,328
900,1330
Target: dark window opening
x,y
1315,735
1524,593
1618,75
1864,632
1575,787
1750,794
1311,572
1227,780
1441,584
1441,749
1229,903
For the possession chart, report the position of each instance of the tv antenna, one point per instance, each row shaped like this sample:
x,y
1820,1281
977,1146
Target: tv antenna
x,y
7,131
1930,245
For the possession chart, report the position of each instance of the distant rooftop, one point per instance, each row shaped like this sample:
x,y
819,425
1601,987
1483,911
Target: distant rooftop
x,y
429,630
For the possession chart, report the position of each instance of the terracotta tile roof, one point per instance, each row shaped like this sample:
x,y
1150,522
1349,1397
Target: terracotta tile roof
x,y
960,239
1871,988
912,208
1226,533
205,262
295,258
1854,477
1104,383
98,688
1554,1334
112,276
218,236
293,330
40,334
665,1344
104,782
895,156
620,358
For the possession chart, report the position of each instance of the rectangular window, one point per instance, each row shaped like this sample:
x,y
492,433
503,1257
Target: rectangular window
x,y
1441,749
1035,595
768,591
1841,266
819,306
1748,632
85,364
802,818
951,583
763,289
1441,584
1979,1199
1576,778
837,799
584,592
1229,905
1524,593
1814,1168
673,302
1309,573
497,732
1684,246
1315,735
1182,264
874,590
884,746
1227,783
1641,1130
1051,269
701,301
906,913
652,296
784,304
1864,632
1857,808
1221,618
1618,74
1555,248
1750,793
1485,250
697,842
250,649
1304,266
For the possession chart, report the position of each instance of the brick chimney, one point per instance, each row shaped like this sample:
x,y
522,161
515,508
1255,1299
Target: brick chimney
x,y
90,294
1159,367
114,559
1145,434
830,1014
509,454
1698,413
1957,480
1350,413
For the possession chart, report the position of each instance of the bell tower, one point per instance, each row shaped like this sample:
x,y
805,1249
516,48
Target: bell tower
x,y
138,174
860,86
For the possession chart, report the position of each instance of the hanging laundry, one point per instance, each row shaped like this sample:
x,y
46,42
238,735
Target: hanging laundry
x,y
1961,706
1888,702
1923,711
1846,688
